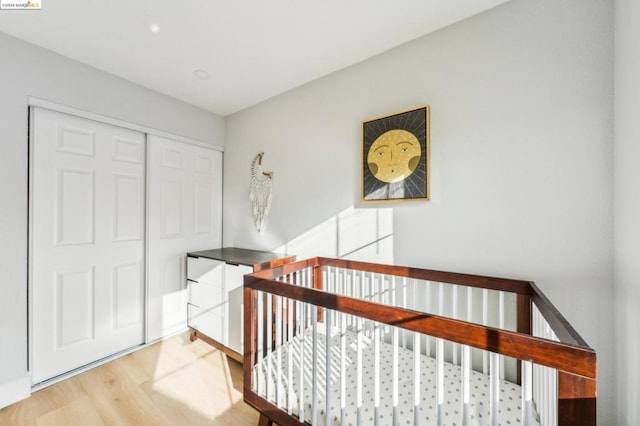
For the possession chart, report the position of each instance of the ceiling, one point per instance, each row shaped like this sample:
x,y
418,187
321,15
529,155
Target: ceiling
x,y
250,50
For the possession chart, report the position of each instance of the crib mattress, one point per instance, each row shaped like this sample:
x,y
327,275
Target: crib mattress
x,y
278,389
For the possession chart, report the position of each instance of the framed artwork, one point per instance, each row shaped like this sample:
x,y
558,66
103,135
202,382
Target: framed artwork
x,y
395,156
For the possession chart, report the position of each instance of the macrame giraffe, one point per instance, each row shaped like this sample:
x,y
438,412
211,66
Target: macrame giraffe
x,y
260,192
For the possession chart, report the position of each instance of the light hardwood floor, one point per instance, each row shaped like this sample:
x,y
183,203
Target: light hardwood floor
x,y
173,382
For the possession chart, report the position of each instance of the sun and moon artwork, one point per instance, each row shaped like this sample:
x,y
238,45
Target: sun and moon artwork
x,y
396,156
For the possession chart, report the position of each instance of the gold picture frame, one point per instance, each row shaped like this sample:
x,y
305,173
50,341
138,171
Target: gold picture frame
x,y
396,156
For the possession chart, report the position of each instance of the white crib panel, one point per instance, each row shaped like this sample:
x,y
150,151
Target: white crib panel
x,y
450,410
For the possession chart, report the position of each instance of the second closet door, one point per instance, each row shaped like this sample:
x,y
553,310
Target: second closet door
x,y
185,214
87,252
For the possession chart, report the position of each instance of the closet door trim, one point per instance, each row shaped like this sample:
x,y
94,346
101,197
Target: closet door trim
x,y
117,122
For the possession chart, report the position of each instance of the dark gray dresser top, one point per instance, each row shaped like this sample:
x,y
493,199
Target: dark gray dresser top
x,y
240,256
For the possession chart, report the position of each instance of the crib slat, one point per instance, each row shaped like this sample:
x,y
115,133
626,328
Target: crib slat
x,y
466,385
440,312
395,344
269,346
395,376
539,381
440,359
353,293
327,367
373,287
386,299
314,369
260,354
494,391
359,371
470,304
427,308
376,372
416,378
278,347
301,328
485,321
290,394
454,315
502,327
385,289
392,284
545,379
404,305
343,367
527,393
440,379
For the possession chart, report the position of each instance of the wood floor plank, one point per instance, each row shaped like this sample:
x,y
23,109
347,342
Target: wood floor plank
x,y
80,412
118,399
48,399
171,382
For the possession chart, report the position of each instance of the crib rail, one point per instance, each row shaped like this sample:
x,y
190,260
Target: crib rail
x,y
556,368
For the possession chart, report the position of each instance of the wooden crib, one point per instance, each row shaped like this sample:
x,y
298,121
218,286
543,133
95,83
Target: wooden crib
x,y
338,342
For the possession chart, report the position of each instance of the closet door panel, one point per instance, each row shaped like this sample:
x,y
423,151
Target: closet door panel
x,y
87,244
185,214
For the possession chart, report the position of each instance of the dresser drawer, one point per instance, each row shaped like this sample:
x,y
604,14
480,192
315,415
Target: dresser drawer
x,y
202,270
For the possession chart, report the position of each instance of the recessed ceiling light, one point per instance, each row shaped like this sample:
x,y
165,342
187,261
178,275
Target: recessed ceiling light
x,y
154,28
201,74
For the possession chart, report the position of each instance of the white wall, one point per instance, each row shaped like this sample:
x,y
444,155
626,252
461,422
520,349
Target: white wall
x,y
26,70
627,210
521,100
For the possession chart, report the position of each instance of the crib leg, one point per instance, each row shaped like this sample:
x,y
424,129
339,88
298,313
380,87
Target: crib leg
x,y
576,400
265,421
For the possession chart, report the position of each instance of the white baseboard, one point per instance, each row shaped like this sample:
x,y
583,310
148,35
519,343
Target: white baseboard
x,y
15,390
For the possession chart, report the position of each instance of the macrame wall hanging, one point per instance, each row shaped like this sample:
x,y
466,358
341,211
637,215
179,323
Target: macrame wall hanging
x,y
260,192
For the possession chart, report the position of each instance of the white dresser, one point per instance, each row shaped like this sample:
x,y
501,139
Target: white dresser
x,y
215,282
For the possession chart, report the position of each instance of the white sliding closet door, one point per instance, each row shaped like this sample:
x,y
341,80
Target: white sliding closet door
x,y
185,214
87,251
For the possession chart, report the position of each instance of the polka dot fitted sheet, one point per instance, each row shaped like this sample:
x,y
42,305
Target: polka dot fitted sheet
x,y
452,410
